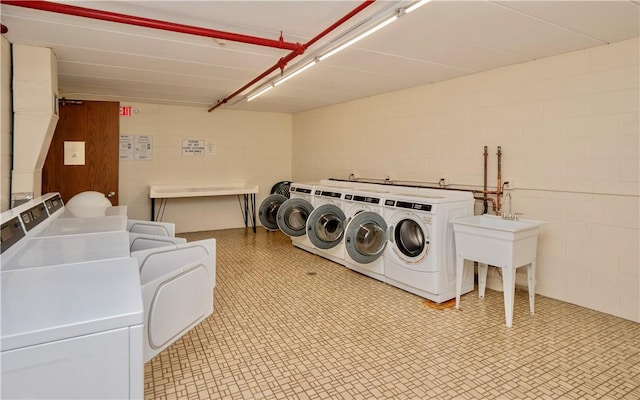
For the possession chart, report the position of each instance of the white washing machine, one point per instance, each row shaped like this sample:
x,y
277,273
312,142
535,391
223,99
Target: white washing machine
x,y
292,215
268,211
366,233
326,224
420,257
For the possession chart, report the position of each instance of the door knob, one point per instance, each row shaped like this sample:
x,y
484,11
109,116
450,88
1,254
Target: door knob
x,y
111,194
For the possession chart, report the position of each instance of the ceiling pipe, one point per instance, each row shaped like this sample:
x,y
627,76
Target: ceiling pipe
x,y
282,63
153,23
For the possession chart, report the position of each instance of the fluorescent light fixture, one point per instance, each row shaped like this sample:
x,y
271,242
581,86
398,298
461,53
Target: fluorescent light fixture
x,y
358,38
260,93
415,6
296,72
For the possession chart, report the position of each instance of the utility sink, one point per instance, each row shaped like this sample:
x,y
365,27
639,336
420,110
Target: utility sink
x,y
504,243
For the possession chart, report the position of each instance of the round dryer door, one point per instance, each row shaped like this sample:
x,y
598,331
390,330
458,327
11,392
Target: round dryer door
x,y
366,237
292,216
411,239
325,226
268,211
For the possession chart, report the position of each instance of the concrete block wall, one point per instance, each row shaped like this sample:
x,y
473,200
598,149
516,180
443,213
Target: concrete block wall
x,y
569,129
250,147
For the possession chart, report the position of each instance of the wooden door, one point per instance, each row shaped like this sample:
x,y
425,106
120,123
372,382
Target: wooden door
x,y
97,124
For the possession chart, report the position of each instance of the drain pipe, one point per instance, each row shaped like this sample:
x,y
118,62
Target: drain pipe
x,y
152,23
282,63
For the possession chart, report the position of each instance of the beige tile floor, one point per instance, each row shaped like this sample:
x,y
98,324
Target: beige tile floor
x,y
290,325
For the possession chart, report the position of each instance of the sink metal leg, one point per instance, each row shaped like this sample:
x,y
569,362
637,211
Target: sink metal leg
x,y
482,279
459,272
509,288
531,284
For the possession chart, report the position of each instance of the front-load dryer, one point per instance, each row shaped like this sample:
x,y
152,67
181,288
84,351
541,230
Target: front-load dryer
x,y
292,215
420,257
326,224
366,234
268,211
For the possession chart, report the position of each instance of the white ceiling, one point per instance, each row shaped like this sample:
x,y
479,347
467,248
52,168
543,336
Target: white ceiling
x,y
441,40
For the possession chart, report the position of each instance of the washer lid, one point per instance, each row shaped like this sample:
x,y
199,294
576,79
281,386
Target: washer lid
x,y
41,305
292,216
268,211
325,226
366,237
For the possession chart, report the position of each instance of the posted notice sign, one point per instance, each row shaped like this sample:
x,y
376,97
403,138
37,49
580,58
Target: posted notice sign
x,y
193,147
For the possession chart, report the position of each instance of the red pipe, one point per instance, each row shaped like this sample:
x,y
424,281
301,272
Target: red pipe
x,y
285,60
152,23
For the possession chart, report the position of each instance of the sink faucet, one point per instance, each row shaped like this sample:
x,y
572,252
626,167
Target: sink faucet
x,y
510,215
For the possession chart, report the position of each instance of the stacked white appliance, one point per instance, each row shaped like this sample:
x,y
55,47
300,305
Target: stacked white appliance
x,y
292,215
81,313
420,257
366,233
327,222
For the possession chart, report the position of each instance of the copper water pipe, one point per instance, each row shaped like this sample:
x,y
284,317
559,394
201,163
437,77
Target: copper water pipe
x,y
499,187
152,23
485,154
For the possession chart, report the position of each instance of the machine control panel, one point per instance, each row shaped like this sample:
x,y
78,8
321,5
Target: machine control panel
x,y
367,199
34,216
326,193
300,190
11,233
413,206
390,203
53,204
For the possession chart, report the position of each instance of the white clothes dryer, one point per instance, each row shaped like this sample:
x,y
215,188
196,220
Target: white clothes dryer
x,y
420,257
292,215
326,224
366,233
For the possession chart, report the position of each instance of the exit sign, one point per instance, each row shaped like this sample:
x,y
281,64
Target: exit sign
x,y
125,111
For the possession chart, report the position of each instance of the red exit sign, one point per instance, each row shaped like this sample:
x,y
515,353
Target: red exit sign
x,y
125,111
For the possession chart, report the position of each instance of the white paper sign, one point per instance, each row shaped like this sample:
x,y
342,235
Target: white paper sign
x,y
210,148
136,147
143,148
193,147
73,153
126,147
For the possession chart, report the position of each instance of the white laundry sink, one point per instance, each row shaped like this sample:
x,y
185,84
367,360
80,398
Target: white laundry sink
x,y
507,244
493,240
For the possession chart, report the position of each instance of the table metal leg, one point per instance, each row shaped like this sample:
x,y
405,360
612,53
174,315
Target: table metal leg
x,y
153,209
253,211
246,210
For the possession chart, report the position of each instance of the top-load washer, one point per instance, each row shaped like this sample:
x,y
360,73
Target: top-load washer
x,y
326,224
366,233
420,257
292,215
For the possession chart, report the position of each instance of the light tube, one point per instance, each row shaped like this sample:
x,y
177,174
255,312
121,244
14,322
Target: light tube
x,y
415,5
261,92
358,38
299,71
